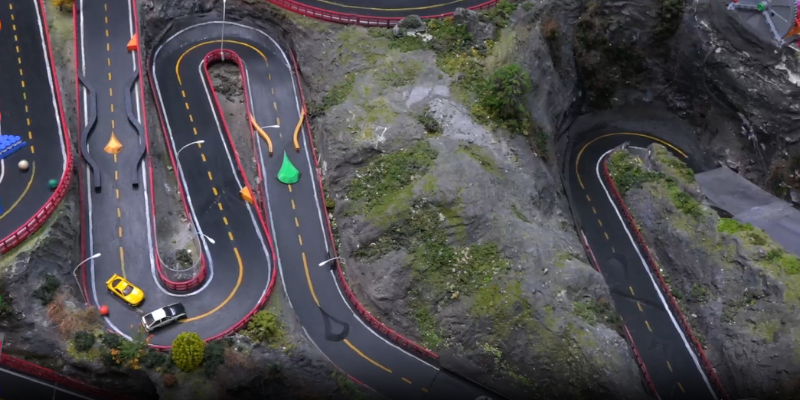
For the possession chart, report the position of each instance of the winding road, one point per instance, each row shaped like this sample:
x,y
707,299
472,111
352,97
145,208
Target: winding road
x,y
118,201
666,353
393,9
291,233
29,108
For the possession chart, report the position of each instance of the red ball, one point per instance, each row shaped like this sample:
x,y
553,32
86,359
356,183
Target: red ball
x,y
103,310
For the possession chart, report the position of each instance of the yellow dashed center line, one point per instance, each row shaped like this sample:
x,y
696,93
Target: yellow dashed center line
x,y
106,31
406,381
638,304
606,235
110,91
112,107
290,188
117,190
631,288
203,156
194,130
116,175
108,60
681,387
183,93
191,118
23,83
29,122
122,260
648,326
296,222
600,222
120,231
32,149
347,342
119,212
225,220
669,366
220,206
109,76
292,204
108,47
209,176
187,105
588,198
275,105
300,239
230,235
106,19
272,90
213,189
425,390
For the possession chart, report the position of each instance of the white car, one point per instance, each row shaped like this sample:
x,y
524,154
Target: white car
x,y
163,316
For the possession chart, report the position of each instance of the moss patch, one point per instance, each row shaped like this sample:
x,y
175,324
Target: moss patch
x,y
483,157
399,73
337,95
389,176
517,213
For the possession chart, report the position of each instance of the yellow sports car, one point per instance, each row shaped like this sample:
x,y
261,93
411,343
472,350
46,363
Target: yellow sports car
x,y
124,289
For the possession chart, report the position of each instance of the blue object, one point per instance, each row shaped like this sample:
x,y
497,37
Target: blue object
x,y
9,144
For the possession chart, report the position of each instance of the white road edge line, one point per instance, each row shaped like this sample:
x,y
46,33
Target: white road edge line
x,y
650,274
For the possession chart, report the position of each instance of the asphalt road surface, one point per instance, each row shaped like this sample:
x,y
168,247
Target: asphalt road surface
x,y
17,386
30,109
394,8
120,216
668,356
295,212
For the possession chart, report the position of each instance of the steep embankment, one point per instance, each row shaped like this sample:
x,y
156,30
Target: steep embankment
x,y
737,288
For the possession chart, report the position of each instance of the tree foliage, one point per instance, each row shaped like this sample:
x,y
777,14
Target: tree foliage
x,y
187,351
507,88
264,327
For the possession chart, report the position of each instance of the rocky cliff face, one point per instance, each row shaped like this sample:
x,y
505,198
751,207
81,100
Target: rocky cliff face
x,y
737,288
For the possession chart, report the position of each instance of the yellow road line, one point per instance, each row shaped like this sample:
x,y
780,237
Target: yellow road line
x,y
681,386
29,122
213,189
23,83
120,231
290,188
308,278
230,296
594,210
119,212
292,204
406,380
580,153
296,222
116,175
631,288
24,192
110,92
225,220
117,189
425,390
347,342
122,261
638,304
32,149
220,206
194,129
203,156
230,235
187,105
275,105
178,63
606,234
648,326
600,222
109,76
209,176
300,239
669,366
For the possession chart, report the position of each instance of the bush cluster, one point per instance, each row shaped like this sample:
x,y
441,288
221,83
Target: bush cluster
x,y
83,340
47,290
264,327
187,351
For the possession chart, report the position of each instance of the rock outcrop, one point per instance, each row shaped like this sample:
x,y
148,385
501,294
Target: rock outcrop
x,y
737,288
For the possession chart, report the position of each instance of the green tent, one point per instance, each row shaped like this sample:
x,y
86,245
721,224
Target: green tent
x,y
288,174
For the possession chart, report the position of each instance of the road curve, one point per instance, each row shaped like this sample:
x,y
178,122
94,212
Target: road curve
x,y
119,218
295,212
668,356
18,386
29,108
393,8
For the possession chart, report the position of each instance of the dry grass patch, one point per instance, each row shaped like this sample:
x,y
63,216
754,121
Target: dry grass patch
x,y
237,360
67,320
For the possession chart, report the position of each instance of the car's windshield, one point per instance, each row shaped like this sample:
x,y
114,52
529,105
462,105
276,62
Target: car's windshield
x,y
128,290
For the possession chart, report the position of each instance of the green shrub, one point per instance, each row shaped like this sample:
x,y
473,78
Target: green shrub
x,y
683,201
187,351
731,226
47,290
110,340
505,97
83,340
213,357
626,172
264,327
500,14
774,255
431,125
184,258
153,359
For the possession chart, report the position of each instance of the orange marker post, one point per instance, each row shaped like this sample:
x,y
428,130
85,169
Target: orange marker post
x,y
133,44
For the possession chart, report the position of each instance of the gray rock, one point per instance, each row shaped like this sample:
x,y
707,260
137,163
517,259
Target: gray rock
x,y
411,24
736,303
480,30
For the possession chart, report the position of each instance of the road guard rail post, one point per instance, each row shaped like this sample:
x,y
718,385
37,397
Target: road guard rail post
x,y
653,265
43,373
353,19
371,320
37,220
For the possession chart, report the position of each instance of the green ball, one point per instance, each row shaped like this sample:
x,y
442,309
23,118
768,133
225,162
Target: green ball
x,y
53,183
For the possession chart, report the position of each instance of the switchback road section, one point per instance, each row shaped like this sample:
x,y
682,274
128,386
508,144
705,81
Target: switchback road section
x,y
668,356
295,212
29,108
117,199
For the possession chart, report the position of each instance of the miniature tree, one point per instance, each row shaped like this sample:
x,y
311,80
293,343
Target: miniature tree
x,y
187,351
